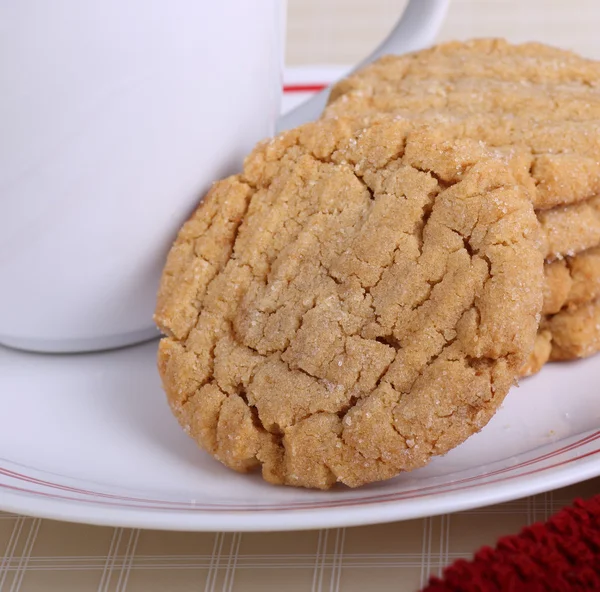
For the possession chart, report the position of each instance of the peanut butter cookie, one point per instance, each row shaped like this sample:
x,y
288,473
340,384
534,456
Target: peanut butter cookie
x,y
571,289
342,312
573,332
568,230
576,332
543,98
572,281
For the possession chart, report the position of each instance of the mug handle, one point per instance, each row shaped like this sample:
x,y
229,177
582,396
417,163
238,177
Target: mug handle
x,y
416,29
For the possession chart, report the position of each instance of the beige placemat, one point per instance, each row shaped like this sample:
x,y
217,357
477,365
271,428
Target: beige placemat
x,y
43,555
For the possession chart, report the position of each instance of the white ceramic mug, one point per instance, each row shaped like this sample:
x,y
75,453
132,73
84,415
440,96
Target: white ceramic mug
x,y
115,117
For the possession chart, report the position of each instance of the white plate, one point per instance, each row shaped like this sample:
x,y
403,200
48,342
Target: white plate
x,y
90,438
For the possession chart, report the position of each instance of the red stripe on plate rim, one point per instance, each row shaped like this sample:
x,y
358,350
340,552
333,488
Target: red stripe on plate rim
x,y
287,507
143,503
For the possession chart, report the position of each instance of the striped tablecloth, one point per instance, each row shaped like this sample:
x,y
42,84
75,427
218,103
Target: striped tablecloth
x,y
43,555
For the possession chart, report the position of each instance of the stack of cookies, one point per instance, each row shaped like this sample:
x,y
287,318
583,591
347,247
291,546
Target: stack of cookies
x,y
362,296
543,99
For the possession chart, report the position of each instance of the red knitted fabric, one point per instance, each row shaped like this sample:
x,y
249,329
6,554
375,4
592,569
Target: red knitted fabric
x,y
562,555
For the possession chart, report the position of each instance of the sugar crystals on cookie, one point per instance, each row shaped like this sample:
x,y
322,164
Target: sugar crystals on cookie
x,y
342,311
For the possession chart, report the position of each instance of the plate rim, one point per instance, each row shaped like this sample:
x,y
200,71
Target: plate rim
x,y
353,513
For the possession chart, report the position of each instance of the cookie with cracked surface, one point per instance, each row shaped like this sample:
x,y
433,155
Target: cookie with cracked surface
x,y
572,333
575,333
542,97
572,281
570,229
566,229
337,313
571,285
